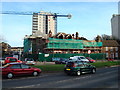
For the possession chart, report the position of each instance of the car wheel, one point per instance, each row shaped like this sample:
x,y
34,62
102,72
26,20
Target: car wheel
x,y
78,73
93,71
35,73
10,75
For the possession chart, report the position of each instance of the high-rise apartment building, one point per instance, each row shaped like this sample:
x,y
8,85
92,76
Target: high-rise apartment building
x,y
44,22
115,24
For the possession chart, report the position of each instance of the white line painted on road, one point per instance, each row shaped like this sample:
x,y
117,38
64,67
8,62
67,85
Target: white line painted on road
x,y
29,86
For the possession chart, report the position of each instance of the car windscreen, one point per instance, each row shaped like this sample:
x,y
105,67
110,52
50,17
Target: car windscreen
x,y
13,59
82,58
70,63
29,59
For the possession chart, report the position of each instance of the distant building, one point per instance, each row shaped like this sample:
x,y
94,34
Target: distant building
x,y
44,22
5,49
16,50
115,24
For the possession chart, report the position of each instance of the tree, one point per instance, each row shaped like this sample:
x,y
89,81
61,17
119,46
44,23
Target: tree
x,y
98,38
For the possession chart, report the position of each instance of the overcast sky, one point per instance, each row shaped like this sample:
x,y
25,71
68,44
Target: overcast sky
x,y
88,18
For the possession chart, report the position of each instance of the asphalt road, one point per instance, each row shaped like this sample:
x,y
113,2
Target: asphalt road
x,y
104,78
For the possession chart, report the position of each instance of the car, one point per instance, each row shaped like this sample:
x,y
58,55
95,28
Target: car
x,y
29,61
91,60
78,68
12,59
79,58
62,61
16,69
55,59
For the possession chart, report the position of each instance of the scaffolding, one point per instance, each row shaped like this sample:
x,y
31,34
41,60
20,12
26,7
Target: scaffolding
x,y
71,44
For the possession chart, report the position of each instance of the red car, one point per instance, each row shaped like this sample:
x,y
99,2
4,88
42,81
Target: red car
x,y
11,59
91,60
13,69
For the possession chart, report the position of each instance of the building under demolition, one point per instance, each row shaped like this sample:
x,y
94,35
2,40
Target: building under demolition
x,y
60,43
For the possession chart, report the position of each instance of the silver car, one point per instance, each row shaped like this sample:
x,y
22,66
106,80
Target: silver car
x,y
29,61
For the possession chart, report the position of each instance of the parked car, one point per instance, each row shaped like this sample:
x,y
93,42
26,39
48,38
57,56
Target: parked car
x,y
29,61
55,59
79,58
14,69
91,60
78,68
62,61
11,59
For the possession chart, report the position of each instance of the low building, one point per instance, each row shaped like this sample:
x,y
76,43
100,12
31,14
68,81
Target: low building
x,y
5,49
111,48
16,50
60,43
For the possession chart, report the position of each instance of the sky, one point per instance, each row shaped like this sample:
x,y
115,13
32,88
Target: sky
x,y
88,18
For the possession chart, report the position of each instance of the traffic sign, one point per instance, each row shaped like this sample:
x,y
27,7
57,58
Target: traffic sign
x,y
89,51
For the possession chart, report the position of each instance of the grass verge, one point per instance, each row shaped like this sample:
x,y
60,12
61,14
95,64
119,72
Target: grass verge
x,y
60,67
106,64
51,68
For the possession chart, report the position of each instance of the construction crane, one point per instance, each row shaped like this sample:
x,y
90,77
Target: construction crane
x,y
55,15
33,13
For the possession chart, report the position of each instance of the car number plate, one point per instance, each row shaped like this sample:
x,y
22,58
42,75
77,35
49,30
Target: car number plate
x,y
67,69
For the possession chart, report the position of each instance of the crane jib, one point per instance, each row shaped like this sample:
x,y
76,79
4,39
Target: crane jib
x,y
31,13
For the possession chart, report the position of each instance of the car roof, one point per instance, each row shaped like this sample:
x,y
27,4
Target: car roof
x,y
74,61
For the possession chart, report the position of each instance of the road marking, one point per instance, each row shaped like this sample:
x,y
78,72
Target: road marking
x,y
29,86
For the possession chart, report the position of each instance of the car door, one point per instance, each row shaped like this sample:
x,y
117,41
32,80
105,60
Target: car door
x,y
26,69
16,69
81,66
87,67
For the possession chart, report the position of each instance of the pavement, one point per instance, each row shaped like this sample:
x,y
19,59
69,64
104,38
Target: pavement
x,y
45,63
50,63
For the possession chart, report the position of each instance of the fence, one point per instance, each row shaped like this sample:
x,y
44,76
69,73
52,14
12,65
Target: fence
x,y
48,57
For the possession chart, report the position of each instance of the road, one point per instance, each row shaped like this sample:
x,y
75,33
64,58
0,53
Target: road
x,y
104,78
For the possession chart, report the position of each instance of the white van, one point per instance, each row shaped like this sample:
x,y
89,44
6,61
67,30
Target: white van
x,y
80,58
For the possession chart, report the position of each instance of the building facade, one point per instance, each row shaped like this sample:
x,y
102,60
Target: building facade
x,y
44,22
5,49
16,50
61,43
115,25
111,48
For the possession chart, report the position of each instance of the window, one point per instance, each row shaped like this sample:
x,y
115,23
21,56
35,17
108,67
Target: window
x,y
80,64
111,49
24,66
106,48
116,54
17,66
106,55
116,49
